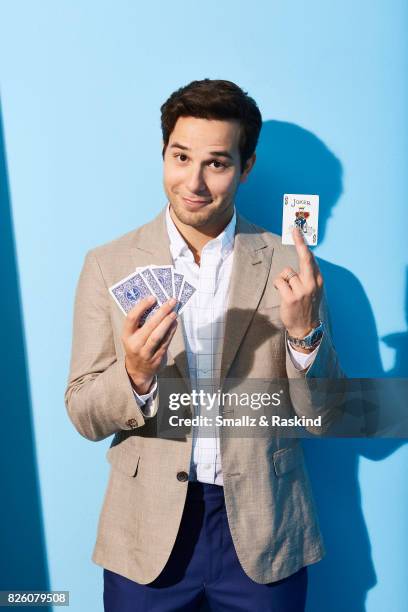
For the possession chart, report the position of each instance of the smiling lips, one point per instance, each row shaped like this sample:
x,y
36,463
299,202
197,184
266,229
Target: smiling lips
x,y
196,203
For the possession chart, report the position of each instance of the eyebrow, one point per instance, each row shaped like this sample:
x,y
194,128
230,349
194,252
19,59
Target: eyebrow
x,y
177,145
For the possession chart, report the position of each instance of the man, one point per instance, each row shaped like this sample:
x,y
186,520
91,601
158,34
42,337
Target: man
x,y
224,518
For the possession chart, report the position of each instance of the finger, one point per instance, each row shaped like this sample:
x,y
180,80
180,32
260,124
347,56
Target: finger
x,y
286,272
309,281
306,259
296,285
158,335
319,278
166,341
134,315
156,318
290,276
318,274
162,349
284,289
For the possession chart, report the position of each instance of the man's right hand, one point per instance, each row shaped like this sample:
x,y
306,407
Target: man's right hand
x,y
146,346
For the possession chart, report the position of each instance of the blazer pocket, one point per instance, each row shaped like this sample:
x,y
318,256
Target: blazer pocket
x,y
286,459
123,460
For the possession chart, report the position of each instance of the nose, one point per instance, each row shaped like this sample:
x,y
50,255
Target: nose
x,y
195,181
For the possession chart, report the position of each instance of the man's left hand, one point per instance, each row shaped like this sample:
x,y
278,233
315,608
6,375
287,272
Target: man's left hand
x,y
301,293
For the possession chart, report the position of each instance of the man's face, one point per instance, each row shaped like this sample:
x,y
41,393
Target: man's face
x,y
202,170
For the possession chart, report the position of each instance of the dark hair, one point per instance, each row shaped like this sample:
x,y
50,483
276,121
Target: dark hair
x,y
214,99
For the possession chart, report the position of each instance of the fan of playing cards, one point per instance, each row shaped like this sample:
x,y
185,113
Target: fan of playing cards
x,y
161,281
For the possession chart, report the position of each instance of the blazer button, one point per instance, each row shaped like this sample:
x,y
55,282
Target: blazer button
x,y
131,423
182,476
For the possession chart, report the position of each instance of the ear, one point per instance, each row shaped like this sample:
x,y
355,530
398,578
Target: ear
x,y
248,167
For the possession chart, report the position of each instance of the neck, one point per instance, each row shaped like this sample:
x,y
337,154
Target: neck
x,y
197,237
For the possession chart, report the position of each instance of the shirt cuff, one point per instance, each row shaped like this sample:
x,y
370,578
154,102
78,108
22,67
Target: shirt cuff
x,y
144,401
301,361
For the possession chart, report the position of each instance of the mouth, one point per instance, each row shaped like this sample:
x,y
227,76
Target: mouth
x,y
194,204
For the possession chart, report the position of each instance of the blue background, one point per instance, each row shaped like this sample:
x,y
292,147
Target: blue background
x,y
80,164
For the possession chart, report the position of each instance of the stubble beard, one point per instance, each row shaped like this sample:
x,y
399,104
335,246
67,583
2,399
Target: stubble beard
x,y
200,218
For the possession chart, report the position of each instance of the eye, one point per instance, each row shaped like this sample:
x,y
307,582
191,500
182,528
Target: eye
x,y
213,161
180,155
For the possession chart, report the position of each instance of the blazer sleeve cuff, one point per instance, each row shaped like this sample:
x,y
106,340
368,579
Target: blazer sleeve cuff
x,y
148,402
323,397
323,364
119,393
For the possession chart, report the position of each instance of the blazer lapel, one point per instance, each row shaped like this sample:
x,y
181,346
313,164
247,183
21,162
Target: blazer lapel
x,y
153,248
250,269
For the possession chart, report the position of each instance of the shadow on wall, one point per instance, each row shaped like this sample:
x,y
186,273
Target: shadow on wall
x,y
292,160
23,563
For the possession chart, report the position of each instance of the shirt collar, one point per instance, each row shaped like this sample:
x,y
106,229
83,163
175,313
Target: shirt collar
x,y
223,243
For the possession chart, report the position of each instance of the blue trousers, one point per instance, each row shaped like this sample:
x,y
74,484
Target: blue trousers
x,y
204,567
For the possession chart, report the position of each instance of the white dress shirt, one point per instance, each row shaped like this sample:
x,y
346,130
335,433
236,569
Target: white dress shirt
x,y
203,323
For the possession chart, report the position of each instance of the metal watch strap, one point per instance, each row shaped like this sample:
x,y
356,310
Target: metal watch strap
x,y
308,342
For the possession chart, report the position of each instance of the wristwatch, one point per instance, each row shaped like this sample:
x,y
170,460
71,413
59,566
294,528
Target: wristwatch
x,y
311,340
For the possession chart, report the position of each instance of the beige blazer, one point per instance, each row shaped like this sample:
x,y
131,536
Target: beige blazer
x,y
269,503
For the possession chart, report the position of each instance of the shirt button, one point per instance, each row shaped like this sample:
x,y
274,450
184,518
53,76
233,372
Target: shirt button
x,y
182,476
